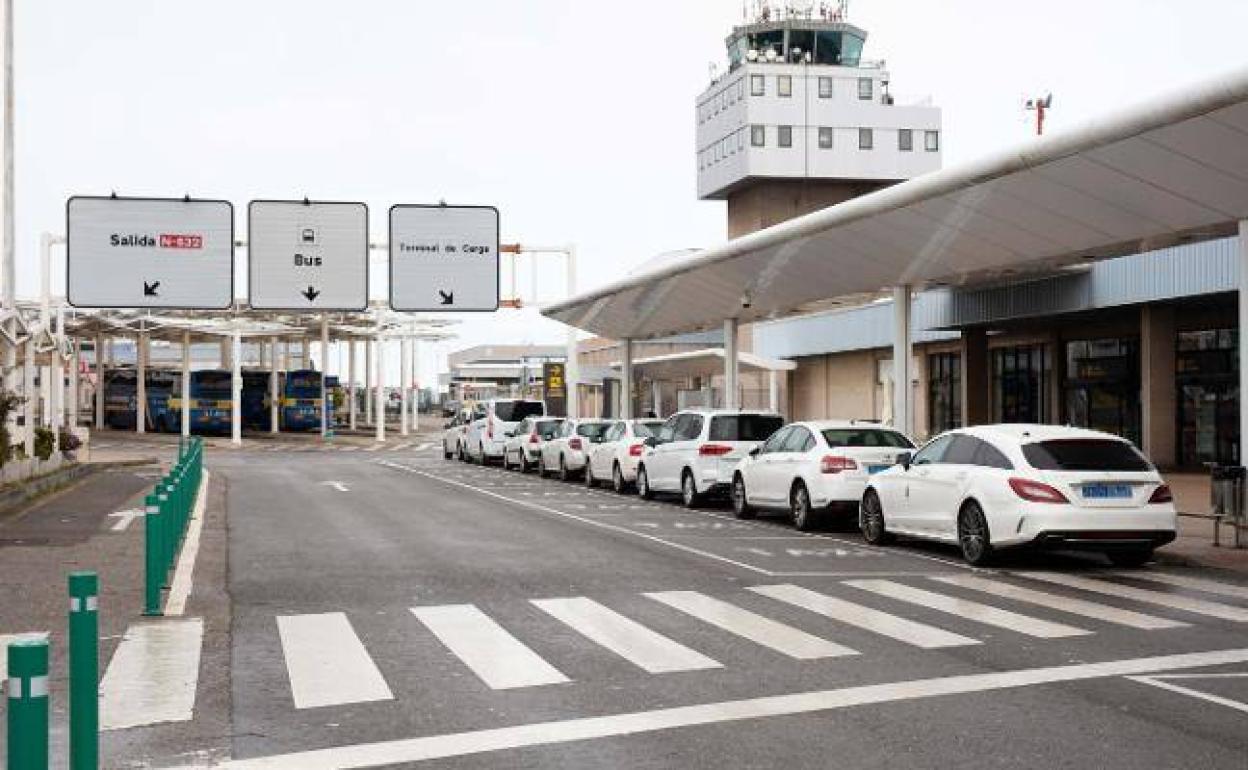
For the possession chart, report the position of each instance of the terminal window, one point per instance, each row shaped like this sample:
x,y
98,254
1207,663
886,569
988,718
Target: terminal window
x,y
865,88
758,85
905,139
866,138
931,141
825,88
758,136
785,136
825,138
784,85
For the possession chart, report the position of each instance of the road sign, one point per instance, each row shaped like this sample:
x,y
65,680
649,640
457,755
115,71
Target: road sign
x,y
443,258
307,255
150,253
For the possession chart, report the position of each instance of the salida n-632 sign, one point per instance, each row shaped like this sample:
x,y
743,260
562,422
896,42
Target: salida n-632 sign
x,y
150,253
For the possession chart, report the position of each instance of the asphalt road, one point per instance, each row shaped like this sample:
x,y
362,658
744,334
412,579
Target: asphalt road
x,y
396,610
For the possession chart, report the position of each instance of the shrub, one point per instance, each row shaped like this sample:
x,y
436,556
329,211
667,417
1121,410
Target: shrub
x,y
43,443
8,402
69,441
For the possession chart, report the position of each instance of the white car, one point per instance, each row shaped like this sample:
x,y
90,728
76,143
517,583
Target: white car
x,y
453,435
697,451
617,456
486,437
997,486
567,453
807,468
523,449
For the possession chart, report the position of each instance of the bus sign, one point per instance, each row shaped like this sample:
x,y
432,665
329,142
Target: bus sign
x,y
307,255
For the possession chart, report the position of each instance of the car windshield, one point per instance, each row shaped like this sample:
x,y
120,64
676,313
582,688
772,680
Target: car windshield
x,y
1085,455
514,411
647,429
745,427
594,431
868,437
212,383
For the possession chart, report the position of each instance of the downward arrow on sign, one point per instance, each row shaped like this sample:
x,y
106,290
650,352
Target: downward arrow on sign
x,y
311,294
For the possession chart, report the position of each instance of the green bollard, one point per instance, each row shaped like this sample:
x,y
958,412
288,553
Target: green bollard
x,y
84,671
153,540
168,532
28,705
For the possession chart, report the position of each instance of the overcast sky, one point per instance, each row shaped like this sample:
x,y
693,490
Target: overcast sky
x,y
575,119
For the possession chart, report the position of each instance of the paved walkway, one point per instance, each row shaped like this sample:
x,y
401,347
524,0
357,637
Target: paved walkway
x,y
1195,542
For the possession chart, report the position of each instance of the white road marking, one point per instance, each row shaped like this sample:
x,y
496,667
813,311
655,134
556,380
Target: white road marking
x,y
327,662
1161,681
1173,601
374,447
6,640
479,742
348,448
153,675
627,638
980,613
125,518
1184,581
749,625
338,485
501,660
180,588
901,629
1087,609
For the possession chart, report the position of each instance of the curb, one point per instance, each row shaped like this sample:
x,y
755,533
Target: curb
x,y
14,500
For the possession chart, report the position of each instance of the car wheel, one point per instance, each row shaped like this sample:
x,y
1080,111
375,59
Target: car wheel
x,y
564,473
617,480
973,535
740,503
643,484
1133,557
506,461
481,454
689,491
446,453
590,481
871,520
799,505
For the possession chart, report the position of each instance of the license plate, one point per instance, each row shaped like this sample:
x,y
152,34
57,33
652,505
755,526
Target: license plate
x,y
1107,491
874,469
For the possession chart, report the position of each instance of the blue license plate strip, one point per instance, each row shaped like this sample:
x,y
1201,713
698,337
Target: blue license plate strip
x,y
873,469
1107,491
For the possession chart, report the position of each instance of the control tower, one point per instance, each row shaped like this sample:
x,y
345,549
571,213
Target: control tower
x,y
801,121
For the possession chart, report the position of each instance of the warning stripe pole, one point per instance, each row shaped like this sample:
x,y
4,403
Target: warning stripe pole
x,y
84,671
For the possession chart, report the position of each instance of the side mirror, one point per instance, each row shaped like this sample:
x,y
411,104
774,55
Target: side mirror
x,y
448,425
756,451
904,459
652,441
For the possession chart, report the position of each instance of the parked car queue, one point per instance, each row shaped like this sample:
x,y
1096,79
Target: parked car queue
x,y
983,489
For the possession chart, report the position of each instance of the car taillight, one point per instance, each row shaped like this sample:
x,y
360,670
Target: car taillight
x,y
835,464
574,443
534,438
635,450
1035,492
1162,494
714,450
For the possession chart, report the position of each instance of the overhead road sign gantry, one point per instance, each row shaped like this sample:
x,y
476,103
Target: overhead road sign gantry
x,y
173,253
307,255
444,258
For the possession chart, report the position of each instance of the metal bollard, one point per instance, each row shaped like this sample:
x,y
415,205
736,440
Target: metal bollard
x,y
84,671
153,540
168,532
28,705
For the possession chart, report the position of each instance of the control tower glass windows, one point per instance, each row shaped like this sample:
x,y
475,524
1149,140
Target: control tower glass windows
x,y
758,136
825,88
784,85
838,48
825,137
931,141
905,139
784,136
866,88
771,40
758,85
801,42
866,138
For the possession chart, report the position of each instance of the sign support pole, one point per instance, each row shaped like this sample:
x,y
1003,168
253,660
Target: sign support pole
x,y
324,373
405,364
236,390
140,411
381,383
352,407
99,383
368,382
186,384
274,375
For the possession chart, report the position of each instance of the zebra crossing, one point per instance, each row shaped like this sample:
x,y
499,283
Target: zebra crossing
x,y
328,662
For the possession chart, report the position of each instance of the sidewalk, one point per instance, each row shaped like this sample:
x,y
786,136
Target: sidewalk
x,y
1194,546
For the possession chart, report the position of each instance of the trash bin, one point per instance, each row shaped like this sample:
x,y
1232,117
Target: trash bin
x,y
1227,492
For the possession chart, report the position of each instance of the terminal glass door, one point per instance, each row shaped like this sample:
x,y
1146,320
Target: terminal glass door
x,y
1207,364
1020,384
1103,386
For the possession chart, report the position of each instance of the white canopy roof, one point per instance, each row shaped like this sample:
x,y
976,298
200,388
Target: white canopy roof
x,y
1171,171
699,363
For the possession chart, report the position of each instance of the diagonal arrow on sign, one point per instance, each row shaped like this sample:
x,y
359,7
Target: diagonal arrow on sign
x,y
149,289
